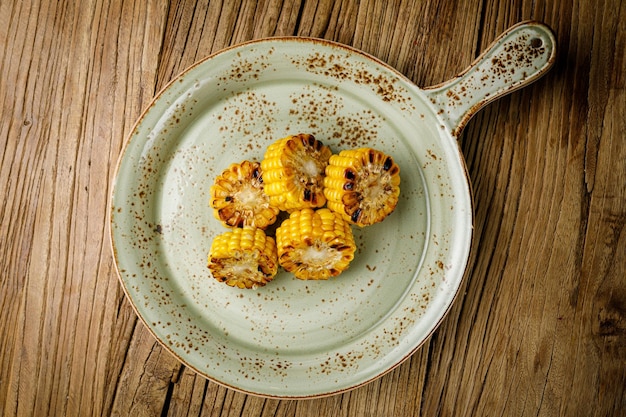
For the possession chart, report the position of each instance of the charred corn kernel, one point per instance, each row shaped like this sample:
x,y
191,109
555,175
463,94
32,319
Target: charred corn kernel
x,y
237,197
363,185
244,258
315,244
293,172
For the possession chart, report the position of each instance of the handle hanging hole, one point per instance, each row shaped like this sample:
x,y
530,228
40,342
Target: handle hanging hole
x,y
536,43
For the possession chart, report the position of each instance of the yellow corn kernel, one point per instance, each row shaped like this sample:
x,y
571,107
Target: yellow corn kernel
x,y
244,258
315,244
238,199
293,172
363,185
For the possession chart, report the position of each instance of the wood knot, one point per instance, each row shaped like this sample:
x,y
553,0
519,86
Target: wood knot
x,y
610,322
609,327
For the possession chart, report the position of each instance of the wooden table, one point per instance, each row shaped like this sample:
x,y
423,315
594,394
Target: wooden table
x,y
539,327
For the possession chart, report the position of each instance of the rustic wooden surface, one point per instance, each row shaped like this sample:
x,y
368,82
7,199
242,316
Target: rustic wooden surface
x,y
540,325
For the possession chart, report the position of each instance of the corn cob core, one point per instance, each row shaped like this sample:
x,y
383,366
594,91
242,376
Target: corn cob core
x,y
293,172
363,185
237,197
315,244
244,258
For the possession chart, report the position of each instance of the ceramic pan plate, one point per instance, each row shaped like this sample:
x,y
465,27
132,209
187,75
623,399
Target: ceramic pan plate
x,y
292,338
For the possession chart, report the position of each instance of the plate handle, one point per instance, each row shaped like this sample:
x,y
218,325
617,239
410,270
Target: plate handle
x,y
518,57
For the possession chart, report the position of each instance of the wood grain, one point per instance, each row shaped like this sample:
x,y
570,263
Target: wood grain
x,y
539,327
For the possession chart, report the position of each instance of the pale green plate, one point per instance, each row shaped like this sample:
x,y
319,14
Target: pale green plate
x,y
292,338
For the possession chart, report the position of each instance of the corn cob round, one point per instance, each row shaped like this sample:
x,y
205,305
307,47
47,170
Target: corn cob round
x,y
237,197
293,172
244,258
315,244
363,185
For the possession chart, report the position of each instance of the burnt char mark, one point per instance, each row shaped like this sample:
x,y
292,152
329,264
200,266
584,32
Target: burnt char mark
x,y
388,163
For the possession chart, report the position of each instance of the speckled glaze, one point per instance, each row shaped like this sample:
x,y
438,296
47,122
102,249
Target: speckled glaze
x,y
292,338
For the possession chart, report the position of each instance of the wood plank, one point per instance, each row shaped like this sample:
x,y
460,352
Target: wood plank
x,y
67,290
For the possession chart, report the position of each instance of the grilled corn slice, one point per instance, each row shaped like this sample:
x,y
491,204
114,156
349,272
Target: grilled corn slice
x,y
237,197
315,244
244,258
293,172
363,185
